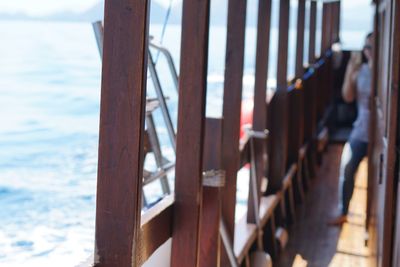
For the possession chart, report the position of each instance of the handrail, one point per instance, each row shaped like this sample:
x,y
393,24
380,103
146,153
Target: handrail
x,y
170,61
162,100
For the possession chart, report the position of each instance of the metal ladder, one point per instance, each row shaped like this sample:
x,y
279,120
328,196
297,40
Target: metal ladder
x,y
152,142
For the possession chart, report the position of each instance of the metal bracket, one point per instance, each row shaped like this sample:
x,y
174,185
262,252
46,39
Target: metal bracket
x,y
257,134
214,178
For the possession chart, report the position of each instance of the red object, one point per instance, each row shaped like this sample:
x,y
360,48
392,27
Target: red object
x,y
246,116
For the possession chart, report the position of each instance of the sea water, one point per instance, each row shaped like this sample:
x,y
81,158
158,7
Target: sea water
x,y
50,77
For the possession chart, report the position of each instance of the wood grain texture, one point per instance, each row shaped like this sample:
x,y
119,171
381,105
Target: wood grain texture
x,y
260,101
295,123
156,228
279,124
313,32
233,83
191,112
394,133
210,242
391,93
122,112
312,242
300,38
324,28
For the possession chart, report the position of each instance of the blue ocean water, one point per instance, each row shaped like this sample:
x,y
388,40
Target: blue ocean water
x,y
49,103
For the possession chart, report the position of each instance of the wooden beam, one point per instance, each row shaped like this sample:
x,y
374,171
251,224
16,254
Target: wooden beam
x,y
122,113
191,111
279,128
331,23
324,28
260,101
295,123
156,228
300,38
296,96
231,110
210,242
391,171
336,21
313,31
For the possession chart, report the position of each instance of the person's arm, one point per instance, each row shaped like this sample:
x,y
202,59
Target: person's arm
x,y
350,79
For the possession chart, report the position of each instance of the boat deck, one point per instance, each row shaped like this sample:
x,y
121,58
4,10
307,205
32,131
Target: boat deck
x,y
312,242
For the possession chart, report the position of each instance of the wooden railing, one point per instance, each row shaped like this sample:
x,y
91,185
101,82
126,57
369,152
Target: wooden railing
x,y
192,217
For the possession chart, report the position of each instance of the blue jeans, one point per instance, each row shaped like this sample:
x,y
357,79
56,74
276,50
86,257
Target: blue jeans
x,y
353,153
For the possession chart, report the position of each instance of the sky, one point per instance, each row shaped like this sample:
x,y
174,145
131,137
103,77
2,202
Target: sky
x,y
37,8
46,7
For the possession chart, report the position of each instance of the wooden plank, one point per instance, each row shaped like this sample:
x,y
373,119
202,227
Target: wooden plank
x,y
267,208
295,123
331,23
311,237
210,242
156,228
260,104
324,28
336,21
296,118
391,93
191,111
309,108
371,135
233,83
300,38
394,120
279,126
313,32
246,235
122,113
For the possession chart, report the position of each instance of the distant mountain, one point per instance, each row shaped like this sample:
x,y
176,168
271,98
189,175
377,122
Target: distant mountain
x,y
96,12
158,13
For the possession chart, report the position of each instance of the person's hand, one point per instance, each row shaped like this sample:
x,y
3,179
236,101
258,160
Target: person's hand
x,y
354,75
354,66
355,59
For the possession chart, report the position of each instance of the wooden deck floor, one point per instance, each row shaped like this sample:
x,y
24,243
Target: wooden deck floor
x,y
312,242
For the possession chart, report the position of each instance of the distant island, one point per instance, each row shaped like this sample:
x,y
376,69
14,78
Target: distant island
x,y
96,12
352,20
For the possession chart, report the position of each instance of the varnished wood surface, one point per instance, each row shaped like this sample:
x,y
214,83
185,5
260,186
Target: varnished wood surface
x,y
245,236
191,121
210,242
260,105
312,242
300,38
233,84
279,119
313,32
122,113
156,228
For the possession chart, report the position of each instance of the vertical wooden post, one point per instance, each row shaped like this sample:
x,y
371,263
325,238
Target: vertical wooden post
x,y
331,23
338,13
295,96
231,111
210,241
324,28
391,157
313,31
191,111
300,38
122,114
279,127
260,99
335,24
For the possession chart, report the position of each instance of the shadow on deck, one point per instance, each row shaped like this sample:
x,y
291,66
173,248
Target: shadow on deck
x,y
315,244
